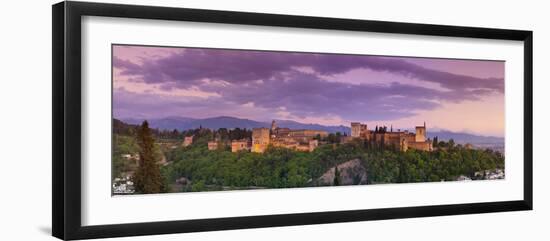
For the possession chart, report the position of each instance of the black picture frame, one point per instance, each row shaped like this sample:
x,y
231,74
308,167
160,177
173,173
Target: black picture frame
x,y
66,141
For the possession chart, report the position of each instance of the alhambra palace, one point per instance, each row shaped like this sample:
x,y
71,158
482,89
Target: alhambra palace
x,y
308,140
400,139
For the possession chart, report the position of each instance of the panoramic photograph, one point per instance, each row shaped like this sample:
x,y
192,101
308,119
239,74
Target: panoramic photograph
x,y
203,119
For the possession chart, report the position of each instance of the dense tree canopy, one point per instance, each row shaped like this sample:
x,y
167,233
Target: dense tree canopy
x,y
282,168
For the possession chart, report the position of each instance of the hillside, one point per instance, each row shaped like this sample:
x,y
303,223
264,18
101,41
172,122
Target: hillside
x,y
183,123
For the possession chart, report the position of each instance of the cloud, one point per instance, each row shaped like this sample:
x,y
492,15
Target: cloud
x,y
236,66
272,80
307,95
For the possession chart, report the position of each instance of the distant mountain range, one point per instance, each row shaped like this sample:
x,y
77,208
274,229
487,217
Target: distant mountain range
x,y
462,138
183,123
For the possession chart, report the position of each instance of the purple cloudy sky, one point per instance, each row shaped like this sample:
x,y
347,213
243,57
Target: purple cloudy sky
x,y
329,89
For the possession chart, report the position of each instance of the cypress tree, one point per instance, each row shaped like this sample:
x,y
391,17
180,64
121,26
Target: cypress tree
x,y
147,178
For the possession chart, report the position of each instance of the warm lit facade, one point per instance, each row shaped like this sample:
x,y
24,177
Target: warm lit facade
x,y
300,140
307,133
240,145
309,140
403,140
420,133
260,139
358,128
213,145
312,145
278,132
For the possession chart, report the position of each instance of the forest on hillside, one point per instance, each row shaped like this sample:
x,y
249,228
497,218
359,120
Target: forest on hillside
x,y
195,168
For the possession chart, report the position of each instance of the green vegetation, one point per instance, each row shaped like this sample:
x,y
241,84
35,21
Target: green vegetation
x,y
284,168
123,146
421,166
147,177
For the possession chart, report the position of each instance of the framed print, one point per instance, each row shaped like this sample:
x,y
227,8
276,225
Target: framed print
x,y
170,120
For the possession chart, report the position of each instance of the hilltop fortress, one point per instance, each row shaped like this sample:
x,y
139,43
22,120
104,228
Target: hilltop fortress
x,y
307,140
301,140
403,140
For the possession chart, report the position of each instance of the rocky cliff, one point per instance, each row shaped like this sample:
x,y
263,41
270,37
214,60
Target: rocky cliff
x,y
351,173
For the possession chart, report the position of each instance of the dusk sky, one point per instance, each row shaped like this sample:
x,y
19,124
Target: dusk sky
x,y
327,89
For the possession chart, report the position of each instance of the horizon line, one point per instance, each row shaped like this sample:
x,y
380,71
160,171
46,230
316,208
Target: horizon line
x,y
437,128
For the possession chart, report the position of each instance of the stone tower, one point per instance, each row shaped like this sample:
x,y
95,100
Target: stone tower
x,y
420,133
358,129
260,139
355,129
